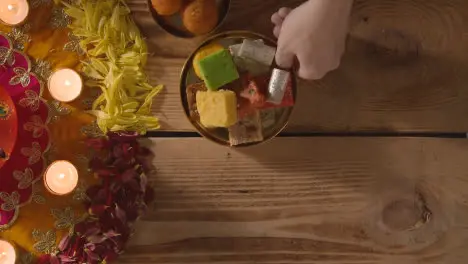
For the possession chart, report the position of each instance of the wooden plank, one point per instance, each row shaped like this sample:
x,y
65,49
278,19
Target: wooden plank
x,y
406,67
307,200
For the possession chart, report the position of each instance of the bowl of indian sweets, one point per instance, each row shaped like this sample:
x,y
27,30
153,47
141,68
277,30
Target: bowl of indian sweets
x,y
189,18
233,93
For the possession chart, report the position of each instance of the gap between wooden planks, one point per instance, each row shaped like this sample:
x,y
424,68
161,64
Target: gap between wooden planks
x,y
406,67
306,200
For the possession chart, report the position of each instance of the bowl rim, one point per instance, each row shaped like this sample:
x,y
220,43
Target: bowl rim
x,y
187,35
183,88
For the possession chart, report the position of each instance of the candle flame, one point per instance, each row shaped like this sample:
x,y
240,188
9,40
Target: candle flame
x,y
67,83
62,176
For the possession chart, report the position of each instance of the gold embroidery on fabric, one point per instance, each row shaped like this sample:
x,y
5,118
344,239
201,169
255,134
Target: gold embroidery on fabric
x,y
19,36
59,18
57,110
22,77
42,68
24,178
33,153
64,219
45,241
7,56
36,126
10,201
37,3
92,130
37,194
32,100
73,45
79,194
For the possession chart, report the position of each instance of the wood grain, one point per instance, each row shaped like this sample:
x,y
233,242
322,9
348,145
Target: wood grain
x,y
406,67
318,200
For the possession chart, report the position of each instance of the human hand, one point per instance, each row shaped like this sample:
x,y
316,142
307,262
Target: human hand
x,y
314,33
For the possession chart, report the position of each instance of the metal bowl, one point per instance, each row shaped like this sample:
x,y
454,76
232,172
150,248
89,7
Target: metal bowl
x,y
188,76
174,26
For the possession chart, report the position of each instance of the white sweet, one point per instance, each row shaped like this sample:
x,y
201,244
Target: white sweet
x,y
257,51
235,49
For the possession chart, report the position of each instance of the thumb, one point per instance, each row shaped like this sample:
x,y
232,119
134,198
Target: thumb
x,y
284,58
310,74
308,70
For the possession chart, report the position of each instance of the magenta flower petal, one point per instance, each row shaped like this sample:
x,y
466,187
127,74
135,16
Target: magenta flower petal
x,y
114,204
64,243
97,210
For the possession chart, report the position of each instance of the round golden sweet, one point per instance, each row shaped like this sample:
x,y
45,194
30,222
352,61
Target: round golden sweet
x,y
200,16
167,7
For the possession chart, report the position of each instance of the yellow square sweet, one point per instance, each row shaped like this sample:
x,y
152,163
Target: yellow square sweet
x,y
217,109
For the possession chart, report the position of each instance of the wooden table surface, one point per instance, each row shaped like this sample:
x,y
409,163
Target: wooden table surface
x,y
372,167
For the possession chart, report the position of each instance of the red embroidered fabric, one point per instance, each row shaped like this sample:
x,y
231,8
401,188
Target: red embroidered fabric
x,y
24,136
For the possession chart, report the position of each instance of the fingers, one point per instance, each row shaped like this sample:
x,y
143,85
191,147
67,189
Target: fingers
x,y
277,19
310,71
284,58
284,12
276,31
310,74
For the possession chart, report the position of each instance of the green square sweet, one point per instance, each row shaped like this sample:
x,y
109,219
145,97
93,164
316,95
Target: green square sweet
x,y
218,69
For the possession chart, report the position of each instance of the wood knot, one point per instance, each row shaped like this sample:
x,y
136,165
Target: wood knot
x,y
405,215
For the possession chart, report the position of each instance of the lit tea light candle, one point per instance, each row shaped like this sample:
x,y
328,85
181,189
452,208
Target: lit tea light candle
x,y
7,253
13,12
65,85
61,177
